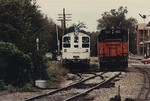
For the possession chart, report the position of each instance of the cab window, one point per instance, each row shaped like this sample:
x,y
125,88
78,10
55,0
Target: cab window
x,y
85,42
85,39
66,41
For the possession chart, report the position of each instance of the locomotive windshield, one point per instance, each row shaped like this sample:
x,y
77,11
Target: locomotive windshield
x,y
85,39
85,42
66,41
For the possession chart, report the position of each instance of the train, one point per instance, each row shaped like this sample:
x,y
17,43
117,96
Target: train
x,y
113,49
76,48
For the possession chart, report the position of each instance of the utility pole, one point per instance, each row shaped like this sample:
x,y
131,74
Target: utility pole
x,y
63,18
58,42
128,42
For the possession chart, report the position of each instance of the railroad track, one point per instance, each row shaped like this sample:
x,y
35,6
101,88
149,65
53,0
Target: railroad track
x,y
144,94
78,89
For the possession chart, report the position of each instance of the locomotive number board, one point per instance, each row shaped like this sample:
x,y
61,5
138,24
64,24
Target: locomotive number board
x,y
112,31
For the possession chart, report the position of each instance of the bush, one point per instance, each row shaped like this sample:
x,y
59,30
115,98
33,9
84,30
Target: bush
x,y
47,70
11,88
15,66
2,85
56,72
40,66
28,88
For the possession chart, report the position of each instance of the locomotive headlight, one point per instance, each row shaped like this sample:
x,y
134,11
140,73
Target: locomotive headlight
x,y
65,50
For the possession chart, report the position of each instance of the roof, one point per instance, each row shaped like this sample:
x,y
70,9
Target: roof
x,y
141,26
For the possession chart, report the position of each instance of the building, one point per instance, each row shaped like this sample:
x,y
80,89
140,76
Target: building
x,y
143,39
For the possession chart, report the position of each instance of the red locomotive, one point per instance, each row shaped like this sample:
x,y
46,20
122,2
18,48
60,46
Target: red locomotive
x,y
113,49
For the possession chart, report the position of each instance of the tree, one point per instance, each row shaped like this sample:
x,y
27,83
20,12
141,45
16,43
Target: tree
x,y
77,27
20,22
112,18
93,46
47,36
117,18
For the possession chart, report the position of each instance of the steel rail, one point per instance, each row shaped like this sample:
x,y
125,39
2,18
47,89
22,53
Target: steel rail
x,y
143,88
104,81
63,88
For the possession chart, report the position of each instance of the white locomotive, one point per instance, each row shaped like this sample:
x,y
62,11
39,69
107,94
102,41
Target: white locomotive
x,y
75,48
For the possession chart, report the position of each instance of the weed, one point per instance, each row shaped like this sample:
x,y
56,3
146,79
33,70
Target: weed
x,y
56,73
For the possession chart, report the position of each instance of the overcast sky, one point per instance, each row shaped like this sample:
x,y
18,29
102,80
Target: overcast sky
x,y
90,11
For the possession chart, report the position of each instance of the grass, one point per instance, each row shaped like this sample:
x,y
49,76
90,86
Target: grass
x,y
56,73
94,62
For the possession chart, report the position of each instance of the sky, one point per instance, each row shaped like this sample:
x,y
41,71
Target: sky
x,y
89,11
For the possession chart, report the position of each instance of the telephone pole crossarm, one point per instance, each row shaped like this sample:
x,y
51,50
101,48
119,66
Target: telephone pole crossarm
x,y
63,18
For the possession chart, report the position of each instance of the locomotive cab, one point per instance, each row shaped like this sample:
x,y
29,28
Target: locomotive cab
x,y
76,48
113,49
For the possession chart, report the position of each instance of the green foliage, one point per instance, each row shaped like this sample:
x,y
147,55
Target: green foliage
x,y
93,44
116,18
2,85
21,23
39,70
55,71
28,88
11,88
79,27
15,66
